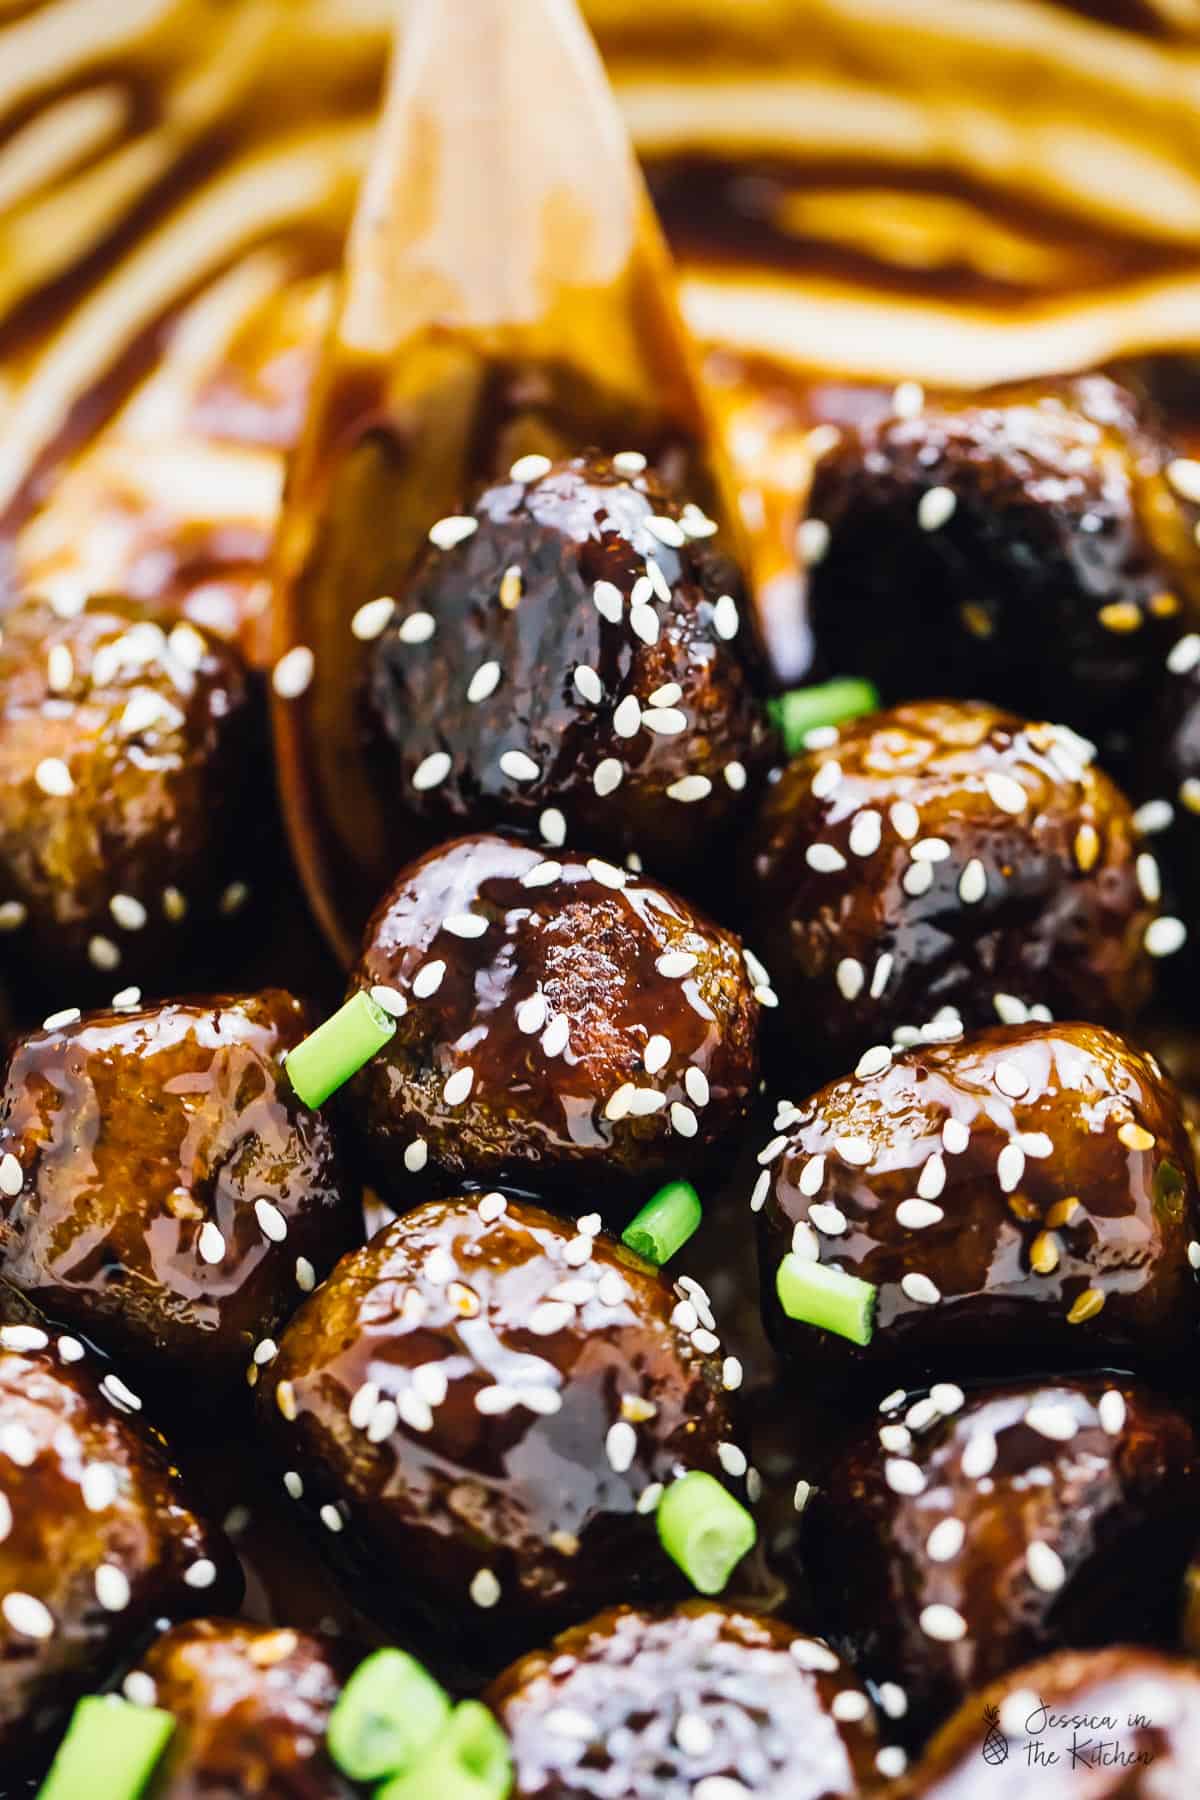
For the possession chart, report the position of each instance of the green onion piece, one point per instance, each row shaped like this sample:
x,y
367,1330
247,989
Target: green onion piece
x,y
665,1223
336,1050
469,1760
804,709
389,1711
818,1294
109,1752
704,1529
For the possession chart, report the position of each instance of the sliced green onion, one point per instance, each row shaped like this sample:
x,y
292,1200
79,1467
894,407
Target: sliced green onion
x,y
805,709
665,1223
818,1294
704,1529
469,1760
336,1050
110,1750
389,1711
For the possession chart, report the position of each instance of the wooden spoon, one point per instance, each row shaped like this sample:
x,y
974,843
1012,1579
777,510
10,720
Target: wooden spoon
x,y
506,290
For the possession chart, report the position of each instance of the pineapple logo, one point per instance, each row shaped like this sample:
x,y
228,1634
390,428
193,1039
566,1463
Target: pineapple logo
x,y
995,1745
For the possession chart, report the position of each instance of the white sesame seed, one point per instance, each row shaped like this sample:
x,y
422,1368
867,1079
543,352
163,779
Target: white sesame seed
x,y
606,873
417,628
518,766
726,619
667,531
201,1574
849,976
530,468
556,1036
60,669
54,778
1011,1080
917,879
759,1192
271,1221
620,1446
643,620
657,1054
945,1540
362,1405
265,1352
873,1061
139,1688
1155,815
695,1083
1010,1167
1056,1422
27,1616
932,1179
972,883
389,1001
588,684
98,1485
827,779
674,964
12,1175
905,819
293,672
916,1215
866,833
458,1086
1112,1412
665,721
824,859
331,1518
936,508
70,1015
416,1155
23,1337
112,1588
609,601
858,1151
431,772
920,1288
210,1243
1184,476
903,1476
1164,936
689,789
812,542
531,1014
1005,792
293,1483
811,1176
1045,1566
13,914
683,1119
428,979
448,532
119,1395
629,462
943,1624
849,1706
828,1219
895,1438
775,1148
483,682
979,1455
465,925
372,618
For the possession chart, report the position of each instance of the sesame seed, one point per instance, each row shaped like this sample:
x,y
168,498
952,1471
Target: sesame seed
x,y
903,1476
458,1086
1056,1422
511,588
1011,1080
824,859
484,682
139,1688
1184,476
12,1175
98,1485
588,684
556,1036
665,721
112,1588
417,628
431,771
811,1176
389,1001
945,1540
866,833
455,529
1193,1254
1005,792
1010,1167
13,914
695,1082
775,1148
955,1137
849,976
894,1702
416,1155
119,1395
23,1337
683,1119
849,1706
428,979
553,827
27,1616
606,873
812,542
1154,815
908,400
916,1215
372,618
331,1518
293,672
920,1288
485,1589
60,669
674,964
936,508
828,1219
1045,1567
1120,616
657,1054
643,621
857,1151
530,468
1112,1412
759,1192
271,1221
293,1483
531,1014
932,1178
70,1015
265,1352
943,1624
972,883
827,779
667,531
905,819
880,974
690,789
518,766
201,1574
896,1438
1164,936
210,1243
629,462
726,619
620,1446
54,778
465,925
873,1061
917,879
1085,1306
1136,1137
609,601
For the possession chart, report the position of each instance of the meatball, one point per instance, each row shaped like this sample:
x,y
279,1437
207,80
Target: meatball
x,y
1026,543
574,656
1027,1192
659,1702
1166,782
124,752
251,1706
483,1409
941,865
162,1188
560,1015
97,1536
962,1536
1129,1717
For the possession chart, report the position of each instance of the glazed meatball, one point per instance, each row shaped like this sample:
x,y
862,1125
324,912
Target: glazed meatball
x,y
942,865
97,1536
482,1409
574,656
1027,544
560,1016
126,754
251,1706
660,1702
1115,1724
962,1536
162,1188
1166,783
1029,1192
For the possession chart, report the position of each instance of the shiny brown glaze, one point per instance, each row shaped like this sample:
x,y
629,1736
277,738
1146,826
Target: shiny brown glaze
x,y
1028,1193
498,1520
1050,571
964,801
127,873
673,1698
1105,1488
251,1706
576,956
97,1535
1166,785
612,723
136,1131
1115,1724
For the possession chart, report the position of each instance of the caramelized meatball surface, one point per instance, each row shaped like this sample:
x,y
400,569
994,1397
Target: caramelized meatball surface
x,y
1025,543
660,1702
161,1186
1027,1193
962,1536
481,1408
97,1535
941,865
1115,1724
575,656
126,759
560,1015
251,1706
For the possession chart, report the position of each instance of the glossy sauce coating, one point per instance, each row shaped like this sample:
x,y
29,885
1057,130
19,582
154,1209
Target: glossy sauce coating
x,y
1115,1724
251,1706
560,1016
1166,785
476,1403
945,864
659,1702
97,1534
127,761
1027,1193
1026,544
589,628
960,1537
176,1199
